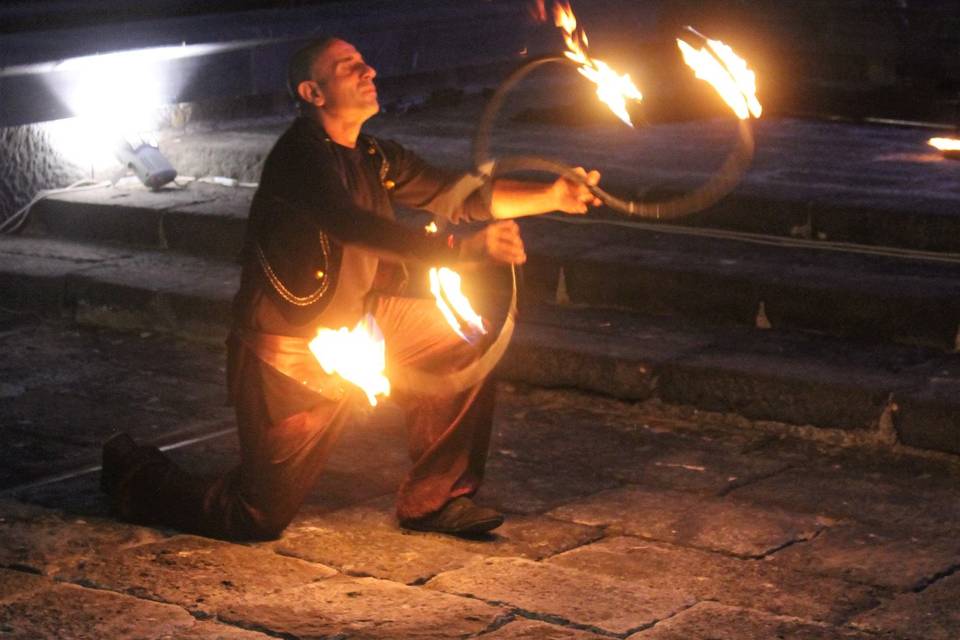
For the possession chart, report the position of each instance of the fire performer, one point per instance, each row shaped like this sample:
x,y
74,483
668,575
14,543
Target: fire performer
x,y
320,225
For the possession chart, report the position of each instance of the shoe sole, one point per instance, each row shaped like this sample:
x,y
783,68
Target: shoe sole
x,y
481,526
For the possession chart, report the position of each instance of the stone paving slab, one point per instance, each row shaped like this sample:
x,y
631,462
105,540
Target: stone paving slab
x,y
886,499
752,584
522,629
76,354
556,593
366,541
206,630
31,455
18,583
617,440
220,573
723,525
905,560
46,541
79,496
514,486
69,611
362,608
65,391
931,614
32,606
712,621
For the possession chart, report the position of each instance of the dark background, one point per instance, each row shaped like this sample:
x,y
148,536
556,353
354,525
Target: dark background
x,y
846,58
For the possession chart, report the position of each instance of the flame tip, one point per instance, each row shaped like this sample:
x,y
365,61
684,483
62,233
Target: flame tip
x,y
612,89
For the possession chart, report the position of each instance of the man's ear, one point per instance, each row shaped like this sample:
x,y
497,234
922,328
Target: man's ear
x,y
310,92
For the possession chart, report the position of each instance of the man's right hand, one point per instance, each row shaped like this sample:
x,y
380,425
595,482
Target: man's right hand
x,y
499,241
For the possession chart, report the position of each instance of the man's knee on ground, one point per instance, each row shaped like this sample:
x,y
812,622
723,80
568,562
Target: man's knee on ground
x,y
258,524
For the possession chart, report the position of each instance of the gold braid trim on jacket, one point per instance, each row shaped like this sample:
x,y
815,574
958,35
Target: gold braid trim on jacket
x,y
281,289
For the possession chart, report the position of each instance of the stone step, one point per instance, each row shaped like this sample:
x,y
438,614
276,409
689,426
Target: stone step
x,y
828,181
710,276
746,280
859,389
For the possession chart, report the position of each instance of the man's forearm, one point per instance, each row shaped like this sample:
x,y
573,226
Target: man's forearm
x,y
515,199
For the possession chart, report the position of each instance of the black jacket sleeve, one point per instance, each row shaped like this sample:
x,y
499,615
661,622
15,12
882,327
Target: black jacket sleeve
x,y
448,194
300,180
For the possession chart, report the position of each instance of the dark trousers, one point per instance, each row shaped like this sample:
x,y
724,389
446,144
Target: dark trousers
x,y
286,434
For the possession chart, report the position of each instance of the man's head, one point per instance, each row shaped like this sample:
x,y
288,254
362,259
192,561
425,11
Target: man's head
x,y
330,75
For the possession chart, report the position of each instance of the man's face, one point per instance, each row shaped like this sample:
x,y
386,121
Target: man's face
x,y
346,82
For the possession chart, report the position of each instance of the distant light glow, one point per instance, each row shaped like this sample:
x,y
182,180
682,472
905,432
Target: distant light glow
x,y
112,95
945,144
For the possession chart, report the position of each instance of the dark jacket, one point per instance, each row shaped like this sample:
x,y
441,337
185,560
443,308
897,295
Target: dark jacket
x,y
316,196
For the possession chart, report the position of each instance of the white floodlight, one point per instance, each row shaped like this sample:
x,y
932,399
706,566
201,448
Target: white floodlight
x,y
144,158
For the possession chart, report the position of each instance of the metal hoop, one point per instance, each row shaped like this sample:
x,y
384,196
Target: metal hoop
x,y
709,193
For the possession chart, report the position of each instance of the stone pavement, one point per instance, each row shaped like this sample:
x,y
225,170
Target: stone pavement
x,y
625,520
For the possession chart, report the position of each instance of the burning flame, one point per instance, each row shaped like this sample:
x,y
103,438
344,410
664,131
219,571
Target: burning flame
x,y
612,89
455,307
945,144
716,63
431,228
357,356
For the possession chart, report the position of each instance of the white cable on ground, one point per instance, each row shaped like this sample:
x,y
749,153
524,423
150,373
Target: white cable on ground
x,y
16,221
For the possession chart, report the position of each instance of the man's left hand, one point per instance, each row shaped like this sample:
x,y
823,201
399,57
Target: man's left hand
x,y
575,197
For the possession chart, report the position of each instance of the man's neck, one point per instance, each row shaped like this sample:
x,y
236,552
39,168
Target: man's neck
x,y
341,130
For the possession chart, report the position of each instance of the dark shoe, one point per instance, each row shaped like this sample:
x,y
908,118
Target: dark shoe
x,y
118,451
129,472
460,515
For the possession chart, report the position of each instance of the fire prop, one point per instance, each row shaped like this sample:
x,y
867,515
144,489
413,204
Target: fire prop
x,y
710,59
455,307
716,63
612,89
421,382
949,147
357,356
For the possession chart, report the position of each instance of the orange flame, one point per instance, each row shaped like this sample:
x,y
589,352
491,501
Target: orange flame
x,y
537,11
454,305
357,356
431,228
945,144
727,72
612,89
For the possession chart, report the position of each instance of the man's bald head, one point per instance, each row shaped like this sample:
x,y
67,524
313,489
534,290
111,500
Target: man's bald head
x,y
300,68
